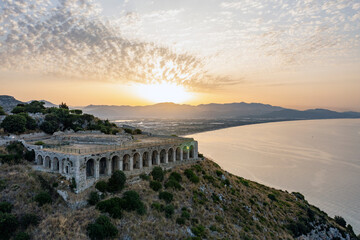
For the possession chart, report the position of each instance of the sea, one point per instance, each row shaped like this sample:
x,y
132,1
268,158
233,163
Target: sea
x,y
319,158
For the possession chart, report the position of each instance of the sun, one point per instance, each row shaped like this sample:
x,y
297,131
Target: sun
x,y
163,92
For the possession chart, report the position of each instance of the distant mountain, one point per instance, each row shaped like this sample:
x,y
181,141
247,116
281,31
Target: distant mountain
x,y
309,114
8,102
181,111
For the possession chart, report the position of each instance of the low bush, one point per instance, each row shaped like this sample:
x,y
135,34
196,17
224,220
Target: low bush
x,y
145,177
5,207
101,229
166,196
158,174
111,206
101,186
198,230
197,168
172,183
340,220
169,210
29,219
298,195
132,201
191,176
272,197
218,173
213,228
39,143
43,198
157,206
94,198
22,236
180,221
8,225
117,181
155,185
298,228
175,176
185,214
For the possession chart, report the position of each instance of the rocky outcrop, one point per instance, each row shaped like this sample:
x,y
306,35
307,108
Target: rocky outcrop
x,y
8,102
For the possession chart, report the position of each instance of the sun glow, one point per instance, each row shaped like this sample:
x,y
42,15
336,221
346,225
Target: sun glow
x,y
163,92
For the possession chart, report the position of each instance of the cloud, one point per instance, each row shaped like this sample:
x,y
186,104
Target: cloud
x,y
70,38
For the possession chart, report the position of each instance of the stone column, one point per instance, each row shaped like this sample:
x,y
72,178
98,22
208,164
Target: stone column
x,y
109,167
141,162
131,167
52,164
174,155
44,162
60,166
120,162
181,154
158,159
97,174
196,151
166,157
149,160
188,154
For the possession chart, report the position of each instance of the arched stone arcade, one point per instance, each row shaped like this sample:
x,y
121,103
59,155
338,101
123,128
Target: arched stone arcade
x,y
170,155
154,158
145,159
103,166
178,154
47,162
115,163
40,160
90,168
163,156
126,162
137,161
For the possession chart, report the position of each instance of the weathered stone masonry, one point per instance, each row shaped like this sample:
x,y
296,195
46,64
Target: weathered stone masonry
x,y
87,168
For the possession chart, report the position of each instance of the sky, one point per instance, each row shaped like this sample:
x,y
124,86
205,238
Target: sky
x,y
299,54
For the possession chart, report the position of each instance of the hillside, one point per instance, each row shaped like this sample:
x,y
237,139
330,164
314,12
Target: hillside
x,y
218,206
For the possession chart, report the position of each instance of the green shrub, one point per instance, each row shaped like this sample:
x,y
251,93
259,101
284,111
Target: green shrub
x,y
169,210
298,228
22,236
131,202
298,195
198,230
101,186
116,181
213,228
43,198
101,229
111,206
94,198
218,173
197,168
29,155
219,219
155,185
5,207
340,220
191,176
157,206
29,219
180,221
175,176
14,124
168,197
172,183
157,174
215,198
185,214
2,184
272,197
2,112
137,131
8,225
39,143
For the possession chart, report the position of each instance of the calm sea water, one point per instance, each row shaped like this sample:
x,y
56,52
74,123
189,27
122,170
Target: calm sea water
x,y
319,158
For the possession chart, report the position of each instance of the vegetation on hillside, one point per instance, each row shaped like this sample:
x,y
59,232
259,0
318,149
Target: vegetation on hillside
x,y
55,119
215,205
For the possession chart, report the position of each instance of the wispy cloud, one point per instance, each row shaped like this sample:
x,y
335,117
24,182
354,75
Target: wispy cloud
x,y
70,38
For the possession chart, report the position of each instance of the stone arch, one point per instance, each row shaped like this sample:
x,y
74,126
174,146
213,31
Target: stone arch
x,y
163,156
115,163
136,164
102,166
178,154
126,162
170,155
154,157
191,152
185,152
90,168
145,159
56,163
47,162
40,160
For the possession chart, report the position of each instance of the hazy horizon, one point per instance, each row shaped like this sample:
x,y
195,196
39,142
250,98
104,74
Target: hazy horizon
x,y
294,54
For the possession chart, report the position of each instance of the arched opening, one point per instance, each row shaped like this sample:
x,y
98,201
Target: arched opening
x,y
67,169
136,164
145,159
170,155
56,164
126,162
178,154
102,165
192,151
115,163
40,160
47,162
185,153
163,156
154,157
90,165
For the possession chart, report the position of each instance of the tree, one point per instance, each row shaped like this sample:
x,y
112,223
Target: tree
x,y
14,124
63,105
116,181
340,220
157,174
49,127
